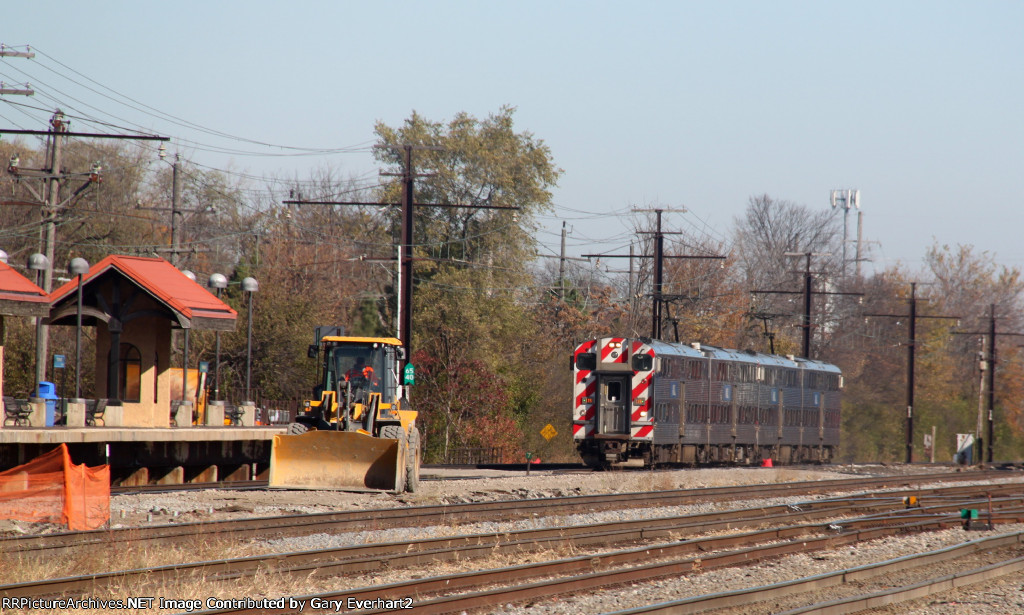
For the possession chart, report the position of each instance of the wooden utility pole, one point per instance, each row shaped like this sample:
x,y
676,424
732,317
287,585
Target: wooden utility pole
x,y
988,366
50,202
912,317
405,259
658,297
561,267
177,214
808,292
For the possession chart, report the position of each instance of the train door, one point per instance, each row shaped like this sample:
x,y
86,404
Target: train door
x,y
613,404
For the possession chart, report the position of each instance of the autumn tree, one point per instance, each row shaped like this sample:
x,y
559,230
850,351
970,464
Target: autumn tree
x,y
471,275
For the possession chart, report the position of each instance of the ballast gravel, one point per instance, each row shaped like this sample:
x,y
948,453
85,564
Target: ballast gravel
x,y
1002,596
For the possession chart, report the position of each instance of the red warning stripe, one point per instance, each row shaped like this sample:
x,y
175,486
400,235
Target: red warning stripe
x,y
587,392
639,390
606,350
644,431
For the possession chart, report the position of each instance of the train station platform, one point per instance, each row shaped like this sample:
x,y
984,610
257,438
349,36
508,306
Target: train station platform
x,y
151,455
68,435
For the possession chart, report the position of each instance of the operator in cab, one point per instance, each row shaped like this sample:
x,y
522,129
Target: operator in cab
x,y
361,375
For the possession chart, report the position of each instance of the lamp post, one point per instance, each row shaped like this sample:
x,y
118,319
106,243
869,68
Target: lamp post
x,y
39,263
249,285
217,282
79,267
184,360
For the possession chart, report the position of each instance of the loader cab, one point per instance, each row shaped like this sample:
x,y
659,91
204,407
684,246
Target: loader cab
x,y
366,364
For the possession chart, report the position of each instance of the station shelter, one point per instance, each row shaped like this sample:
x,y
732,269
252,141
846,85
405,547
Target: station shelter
x,y
135,303
19,297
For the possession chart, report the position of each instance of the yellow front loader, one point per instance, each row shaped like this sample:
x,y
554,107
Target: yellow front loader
x,y
359,433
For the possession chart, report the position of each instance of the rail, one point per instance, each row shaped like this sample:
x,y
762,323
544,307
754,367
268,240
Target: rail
x,y
394,555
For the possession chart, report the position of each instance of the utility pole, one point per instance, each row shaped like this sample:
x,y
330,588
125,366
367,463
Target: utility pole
x,y
911,349
405,259
7,52
177,213
765,317
561,267
49,201
657,294
808,292
991,382
988,367
408,204
913,316
50,229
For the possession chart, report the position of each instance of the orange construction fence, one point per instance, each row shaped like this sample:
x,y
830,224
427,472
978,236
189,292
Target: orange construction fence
x,y
52,489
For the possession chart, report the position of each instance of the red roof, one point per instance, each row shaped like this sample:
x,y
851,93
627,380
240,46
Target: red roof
x,y
16,287
163,280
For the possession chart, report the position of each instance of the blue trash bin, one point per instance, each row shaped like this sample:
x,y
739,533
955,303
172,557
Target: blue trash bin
x,y
48,391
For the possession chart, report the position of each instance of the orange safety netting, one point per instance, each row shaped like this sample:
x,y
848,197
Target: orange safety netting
x,y
52,489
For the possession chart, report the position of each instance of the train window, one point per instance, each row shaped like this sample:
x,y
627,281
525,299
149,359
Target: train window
x,y
643,362
586,360
792,378
613,391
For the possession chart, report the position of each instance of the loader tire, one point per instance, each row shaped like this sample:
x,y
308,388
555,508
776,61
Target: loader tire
x,y
295,429
412,462
395,432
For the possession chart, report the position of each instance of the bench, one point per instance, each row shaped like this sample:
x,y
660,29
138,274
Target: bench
x,y
94,409
233,414
17,410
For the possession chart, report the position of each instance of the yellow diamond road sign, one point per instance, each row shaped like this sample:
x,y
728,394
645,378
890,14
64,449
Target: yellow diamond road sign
x,y
548,432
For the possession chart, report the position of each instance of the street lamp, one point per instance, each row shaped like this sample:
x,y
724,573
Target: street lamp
x,y
249,285
217,282
39,263
79,267
184,360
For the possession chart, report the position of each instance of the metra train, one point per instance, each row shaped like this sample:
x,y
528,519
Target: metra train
x,y
645,399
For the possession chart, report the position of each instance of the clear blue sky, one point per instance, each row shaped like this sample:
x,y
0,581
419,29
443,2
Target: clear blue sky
x,y
695,104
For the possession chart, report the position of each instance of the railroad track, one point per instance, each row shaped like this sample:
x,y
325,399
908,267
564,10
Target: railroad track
x,y
886,515
419,516
869,586
395,555
473,590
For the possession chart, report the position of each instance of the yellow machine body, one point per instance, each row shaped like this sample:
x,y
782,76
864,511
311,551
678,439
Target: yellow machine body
x,y
360,434
346,460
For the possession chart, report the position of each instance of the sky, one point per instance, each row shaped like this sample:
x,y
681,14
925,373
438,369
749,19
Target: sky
x,y
695,105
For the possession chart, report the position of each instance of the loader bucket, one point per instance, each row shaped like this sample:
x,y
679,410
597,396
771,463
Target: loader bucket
x,y
344,460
